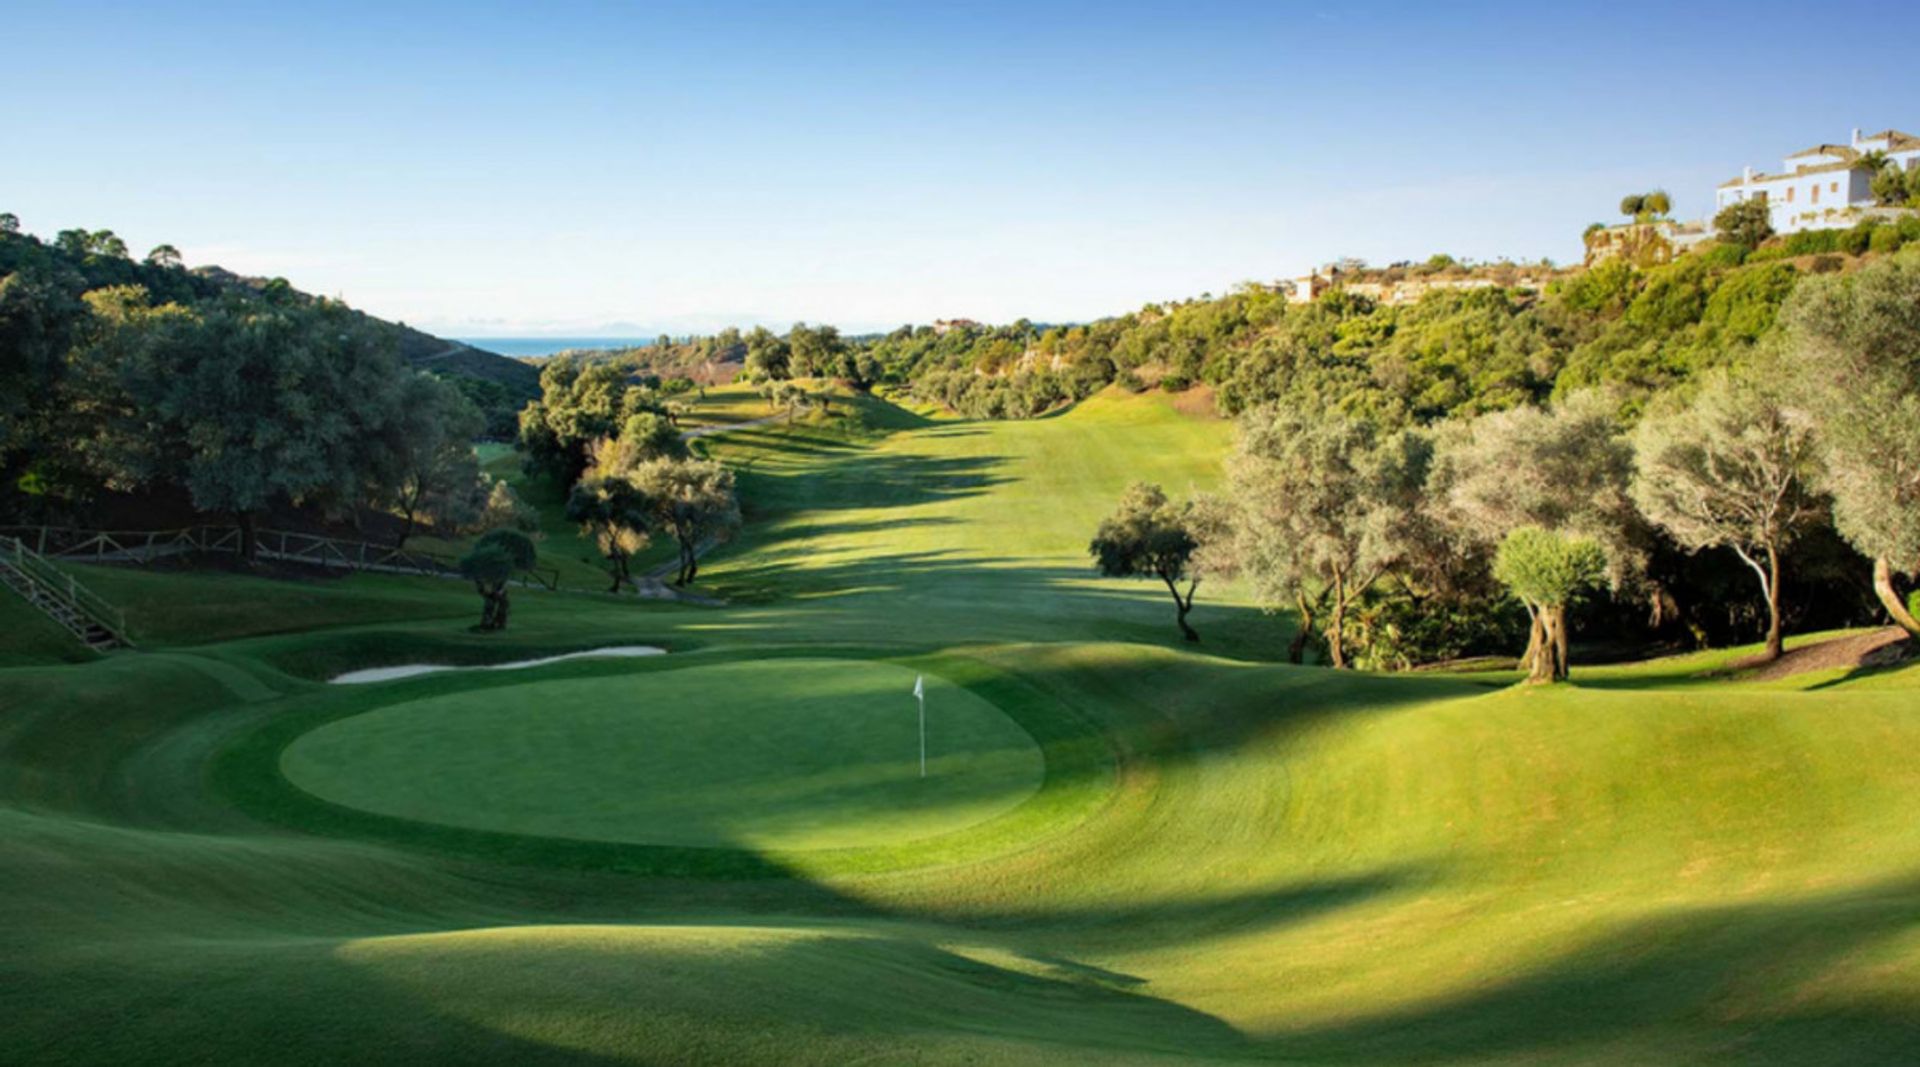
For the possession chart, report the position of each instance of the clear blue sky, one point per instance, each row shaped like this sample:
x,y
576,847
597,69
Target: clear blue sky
x,y
545,168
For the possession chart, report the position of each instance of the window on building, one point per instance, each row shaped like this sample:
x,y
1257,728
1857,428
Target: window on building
x,y
1789,194
1833,187
1816,192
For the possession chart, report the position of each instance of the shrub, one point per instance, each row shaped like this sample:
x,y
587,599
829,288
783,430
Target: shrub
x,y
1825,264
1175,383
1855,241
1720,255
1886,239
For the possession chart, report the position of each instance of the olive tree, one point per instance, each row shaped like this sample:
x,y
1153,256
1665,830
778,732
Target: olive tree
x,y
1325,507
1149,536
692,501
425,466
1730,470
1851,357
614,514
1545,571
1564,469
491,565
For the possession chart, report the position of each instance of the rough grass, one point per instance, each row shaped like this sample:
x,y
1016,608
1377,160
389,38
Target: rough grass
x,y
1230,860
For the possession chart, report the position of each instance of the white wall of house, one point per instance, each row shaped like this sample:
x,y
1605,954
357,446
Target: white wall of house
x,y
1806,201
1801,201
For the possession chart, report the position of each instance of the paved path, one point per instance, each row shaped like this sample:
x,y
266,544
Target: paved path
x,y
724,427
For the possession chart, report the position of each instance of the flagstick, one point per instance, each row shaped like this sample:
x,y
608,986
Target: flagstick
x,y
922,697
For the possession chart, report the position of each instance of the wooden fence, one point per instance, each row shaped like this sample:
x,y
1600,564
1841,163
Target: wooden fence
x,y
146,546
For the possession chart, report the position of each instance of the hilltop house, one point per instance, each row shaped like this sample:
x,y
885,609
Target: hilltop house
x,y
1826,186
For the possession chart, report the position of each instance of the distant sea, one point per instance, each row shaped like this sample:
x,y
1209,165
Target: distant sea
x,y
547,346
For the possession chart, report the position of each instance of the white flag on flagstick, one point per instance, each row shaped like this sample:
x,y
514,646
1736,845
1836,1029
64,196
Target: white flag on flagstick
x,y
920,698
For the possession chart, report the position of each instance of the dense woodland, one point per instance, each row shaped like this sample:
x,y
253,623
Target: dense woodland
x,y
1719,449
138,385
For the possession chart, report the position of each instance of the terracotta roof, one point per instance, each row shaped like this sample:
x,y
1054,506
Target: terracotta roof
x,y
1890,135
1824,168
1840,150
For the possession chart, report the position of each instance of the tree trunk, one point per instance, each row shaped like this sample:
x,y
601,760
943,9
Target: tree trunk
x,y
689,562
621,575
493,606
1182,605
249,548
1558,656
1776,644
1337,632
1536,641
1890,598
1297,648
1769,576
1542,660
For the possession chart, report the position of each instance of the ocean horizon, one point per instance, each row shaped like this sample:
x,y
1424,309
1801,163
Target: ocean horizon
x,y
549,346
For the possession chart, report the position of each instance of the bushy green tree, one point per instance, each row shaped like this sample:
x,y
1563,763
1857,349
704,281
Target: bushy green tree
x,y
1564,469
424,465
491,566
692,501
1851,358
1732,469
1545,571
1149,536
612,511
580,402
1325,507
1747,223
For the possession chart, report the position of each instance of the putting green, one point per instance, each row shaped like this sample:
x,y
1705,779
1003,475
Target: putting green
x,y
778,754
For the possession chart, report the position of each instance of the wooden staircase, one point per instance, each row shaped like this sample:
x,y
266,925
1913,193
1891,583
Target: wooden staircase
x,y
58,596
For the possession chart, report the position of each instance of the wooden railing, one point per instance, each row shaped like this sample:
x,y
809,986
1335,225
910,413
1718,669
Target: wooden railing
x,y
146,546
38,570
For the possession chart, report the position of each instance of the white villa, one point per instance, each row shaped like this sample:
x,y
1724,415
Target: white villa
x,y
1825,186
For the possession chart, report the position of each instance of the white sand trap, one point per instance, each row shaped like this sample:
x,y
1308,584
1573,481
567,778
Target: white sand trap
x,y
408,670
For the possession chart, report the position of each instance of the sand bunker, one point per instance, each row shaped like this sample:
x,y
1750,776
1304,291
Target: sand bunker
x,y
408,670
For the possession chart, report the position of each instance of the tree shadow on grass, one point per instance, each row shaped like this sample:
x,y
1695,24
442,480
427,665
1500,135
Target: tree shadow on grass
x,y
1736,983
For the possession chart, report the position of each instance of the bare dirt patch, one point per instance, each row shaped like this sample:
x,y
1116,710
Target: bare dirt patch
x,y
1876,648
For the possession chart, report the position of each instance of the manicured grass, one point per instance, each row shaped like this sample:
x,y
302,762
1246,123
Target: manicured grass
x,y
781,754
1228,859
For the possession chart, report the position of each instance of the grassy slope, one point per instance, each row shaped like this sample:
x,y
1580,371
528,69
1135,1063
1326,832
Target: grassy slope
x,y
1276,863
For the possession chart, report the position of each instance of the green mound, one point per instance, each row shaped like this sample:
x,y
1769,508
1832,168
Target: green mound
x,y
780,754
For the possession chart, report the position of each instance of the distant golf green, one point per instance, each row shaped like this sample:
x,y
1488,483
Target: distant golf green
x,y
777,754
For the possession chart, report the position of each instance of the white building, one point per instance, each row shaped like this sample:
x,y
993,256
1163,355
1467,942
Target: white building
x,y
1824,187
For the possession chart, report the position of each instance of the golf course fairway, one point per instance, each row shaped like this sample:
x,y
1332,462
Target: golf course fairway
x,y
1128,850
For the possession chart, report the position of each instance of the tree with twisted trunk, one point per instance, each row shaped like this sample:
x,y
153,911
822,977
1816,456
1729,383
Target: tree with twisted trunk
x,y
1326,507
1731,470
1149,536
1564,469
1851,361
491,565
1545,571
692,501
